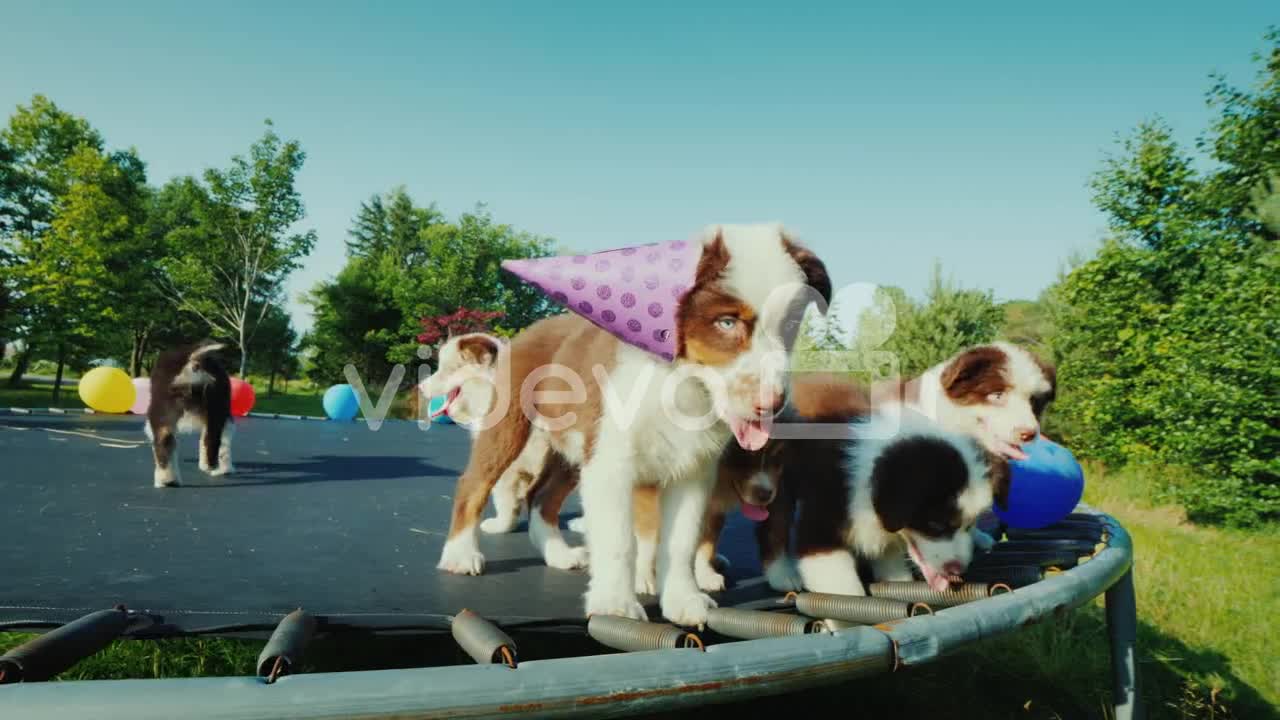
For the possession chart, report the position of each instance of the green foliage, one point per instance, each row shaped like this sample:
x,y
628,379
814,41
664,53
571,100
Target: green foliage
x,y
229,262
40,138
896,336
1168,339
74,278
950,319
405,263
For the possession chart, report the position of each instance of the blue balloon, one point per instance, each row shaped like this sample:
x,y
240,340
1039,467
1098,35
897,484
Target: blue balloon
x,y
434,405
1044,488
340,402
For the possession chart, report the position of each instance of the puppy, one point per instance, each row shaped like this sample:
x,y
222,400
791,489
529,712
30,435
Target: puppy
x,y
465,376
907,489
996,393
734,330
476,373
190,389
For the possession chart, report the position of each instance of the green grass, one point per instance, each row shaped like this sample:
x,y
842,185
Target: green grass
x,y
1208,606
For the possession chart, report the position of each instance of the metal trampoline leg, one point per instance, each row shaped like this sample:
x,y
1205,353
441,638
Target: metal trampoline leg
x,y
1122,631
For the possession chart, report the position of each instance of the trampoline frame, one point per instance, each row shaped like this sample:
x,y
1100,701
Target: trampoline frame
x,y
628,683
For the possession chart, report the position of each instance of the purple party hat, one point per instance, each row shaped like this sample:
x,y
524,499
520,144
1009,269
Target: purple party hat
x,y
633,293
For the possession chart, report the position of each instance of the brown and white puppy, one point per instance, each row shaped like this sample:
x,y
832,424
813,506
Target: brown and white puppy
x,y
467,375
190,389
464,375
624,417
996,392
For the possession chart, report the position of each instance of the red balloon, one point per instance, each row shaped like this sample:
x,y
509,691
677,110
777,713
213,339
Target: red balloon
x,y
242,397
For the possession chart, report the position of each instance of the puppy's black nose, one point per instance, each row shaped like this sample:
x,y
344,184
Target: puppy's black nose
x,y
761,495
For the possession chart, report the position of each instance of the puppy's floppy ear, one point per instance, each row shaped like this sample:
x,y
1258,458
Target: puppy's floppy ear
x,y
815,271
1001,477
891,495
965,369
479,348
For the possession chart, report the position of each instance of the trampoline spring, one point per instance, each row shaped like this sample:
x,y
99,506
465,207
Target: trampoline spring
x,y
284,649
920,592
758,624
57,650
858,608
485,642
630,635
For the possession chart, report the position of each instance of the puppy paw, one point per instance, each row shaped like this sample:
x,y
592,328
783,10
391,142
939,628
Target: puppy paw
x,y
646,582
204,466
618,604
686,608
497,525
708,579
461,560
167,477
566,558
783,575
578,525
222,470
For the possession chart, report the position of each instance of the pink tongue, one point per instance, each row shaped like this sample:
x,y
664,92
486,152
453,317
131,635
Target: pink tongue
x,y
754,513
939,583
751,434
444,408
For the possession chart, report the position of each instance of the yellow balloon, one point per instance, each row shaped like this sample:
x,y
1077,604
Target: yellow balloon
x,y
107,389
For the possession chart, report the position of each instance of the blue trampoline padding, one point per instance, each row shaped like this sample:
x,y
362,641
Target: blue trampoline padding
x,y
1044,488
434,405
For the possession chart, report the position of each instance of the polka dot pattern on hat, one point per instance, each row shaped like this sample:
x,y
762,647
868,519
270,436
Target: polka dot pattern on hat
x,y
631,292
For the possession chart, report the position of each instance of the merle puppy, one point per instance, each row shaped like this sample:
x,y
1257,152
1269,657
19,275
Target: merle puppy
x,y
190,390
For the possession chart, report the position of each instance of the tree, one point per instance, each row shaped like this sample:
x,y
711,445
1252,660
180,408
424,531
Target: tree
x,y
275,346
35,146
1167,339
463,269
392,225
231,267
354,323
406,263
73,279
950,319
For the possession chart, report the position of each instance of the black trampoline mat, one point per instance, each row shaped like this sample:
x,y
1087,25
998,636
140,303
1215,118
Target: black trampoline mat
x,y
332,517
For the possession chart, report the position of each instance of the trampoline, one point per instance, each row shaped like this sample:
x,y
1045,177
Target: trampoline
x,y
329,527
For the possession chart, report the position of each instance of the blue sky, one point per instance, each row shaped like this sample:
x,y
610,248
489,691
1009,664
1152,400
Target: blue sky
x,y
885,136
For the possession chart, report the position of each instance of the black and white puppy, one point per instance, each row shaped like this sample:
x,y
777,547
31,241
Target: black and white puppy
x,y
190,389
907,488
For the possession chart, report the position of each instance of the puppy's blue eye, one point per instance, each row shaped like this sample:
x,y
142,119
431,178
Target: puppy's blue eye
x,y
727,323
